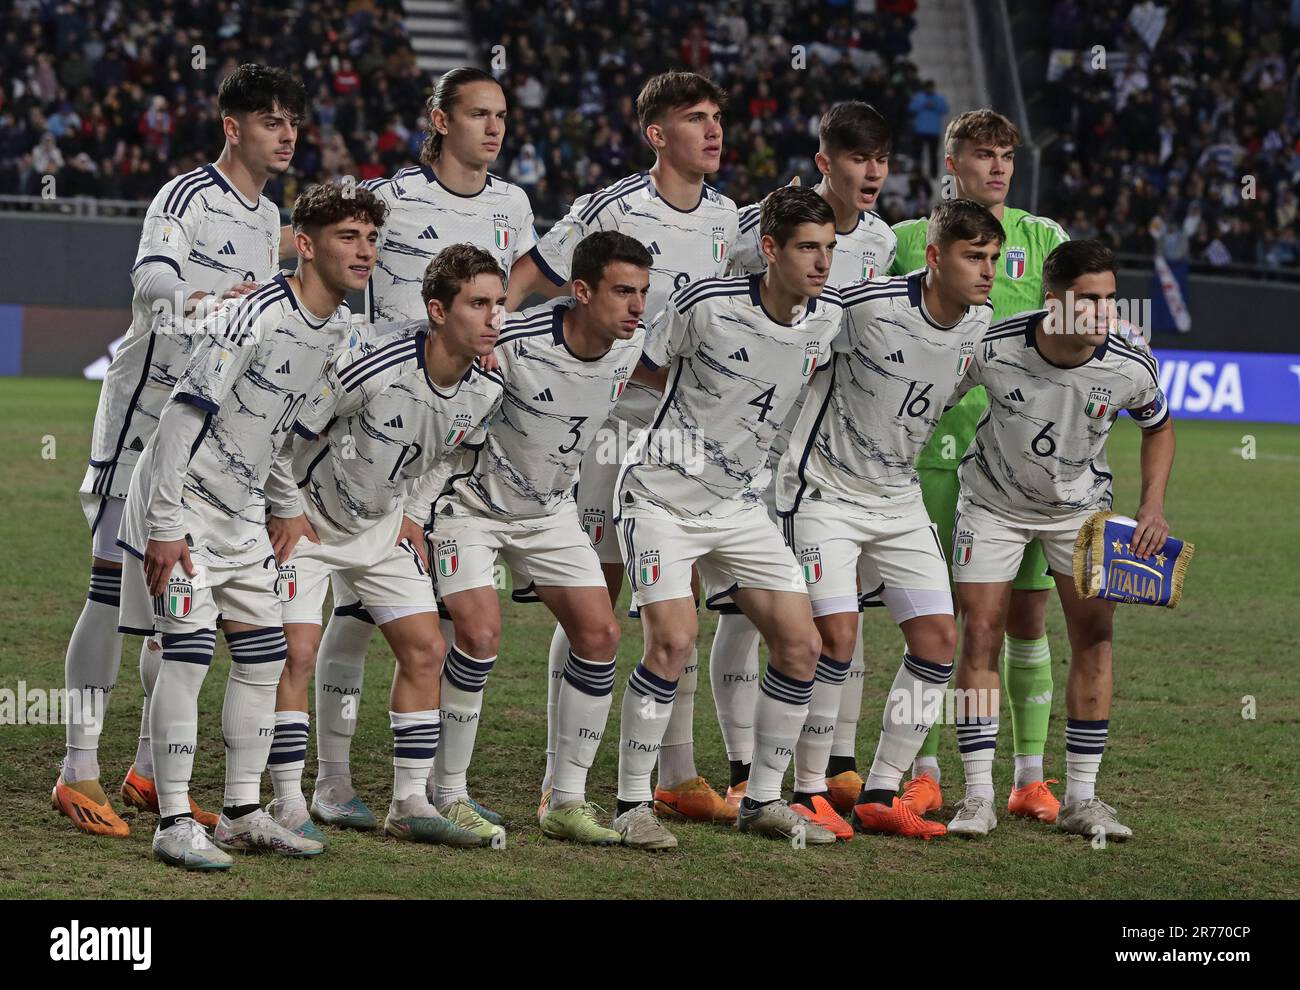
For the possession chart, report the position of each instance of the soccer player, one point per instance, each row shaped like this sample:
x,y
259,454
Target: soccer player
x,y
848,491
449,198
734,354
566,363
1056,381
690,229
195,522
390,409
854,162
980,147
209,235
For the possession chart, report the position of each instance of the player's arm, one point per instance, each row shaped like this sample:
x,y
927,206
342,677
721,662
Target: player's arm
x,y
1157,463
667,336
545,268
288,523
165,244
526,279
179,428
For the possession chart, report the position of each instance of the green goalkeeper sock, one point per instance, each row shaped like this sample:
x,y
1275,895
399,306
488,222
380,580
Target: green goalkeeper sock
x,y
930,748
1027,677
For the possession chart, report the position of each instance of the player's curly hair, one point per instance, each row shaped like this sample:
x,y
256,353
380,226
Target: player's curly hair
x,y
981,127
786,208
963,220
444,98
672,91
855,126
254,88
452,268
326,203
595,252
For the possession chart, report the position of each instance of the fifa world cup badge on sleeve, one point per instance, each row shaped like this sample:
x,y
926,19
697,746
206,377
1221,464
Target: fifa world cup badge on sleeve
x,y
1105,567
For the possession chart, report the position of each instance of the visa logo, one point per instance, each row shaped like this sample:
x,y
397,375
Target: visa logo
x,y
1200,386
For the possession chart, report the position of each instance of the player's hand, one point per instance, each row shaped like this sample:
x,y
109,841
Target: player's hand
x,y
413,533
235,291
490,362
285,534
795,181
160,556
1151,531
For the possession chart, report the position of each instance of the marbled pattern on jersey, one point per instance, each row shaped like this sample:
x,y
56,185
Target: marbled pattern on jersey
x,y
1040,449
734,373
866,418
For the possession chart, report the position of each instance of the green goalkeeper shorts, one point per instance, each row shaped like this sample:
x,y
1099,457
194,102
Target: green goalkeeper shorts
x,y
939,487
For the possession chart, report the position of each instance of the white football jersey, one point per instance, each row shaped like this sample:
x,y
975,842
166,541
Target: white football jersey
x,y
686,245
867,416
424,216
861,255
554,404
734,373
377,421
203,227
252,370
1040,449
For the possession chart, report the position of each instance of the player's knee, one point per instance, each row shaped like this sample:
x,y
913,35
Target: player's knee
x,y
981,638
479,642
419,661
598,641
300,661
799,651
672,650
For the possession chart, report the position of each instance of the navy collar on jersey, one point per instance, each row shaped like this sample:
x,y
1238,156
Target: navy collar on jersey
x,y
557,331
420,337
757,299
654,189
308,317
1031,340
429,174
227,186
914,296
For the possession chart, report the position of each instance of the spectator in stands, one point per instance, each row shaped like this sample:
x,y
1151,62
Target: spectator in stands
x,y
928,109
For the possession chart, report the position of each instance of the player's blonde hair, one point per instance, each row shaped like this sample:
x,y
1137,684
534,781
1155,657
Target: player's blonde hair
x,y
983,127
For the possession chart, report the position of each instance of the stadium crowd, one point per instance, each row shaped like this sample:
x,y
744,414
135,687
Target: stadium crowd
x,y
1195,98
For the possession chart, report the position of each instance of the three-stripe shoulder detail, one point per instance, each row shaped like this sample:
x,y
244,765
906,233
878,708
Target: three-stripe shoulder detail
x,y
617,191
393,353
184,191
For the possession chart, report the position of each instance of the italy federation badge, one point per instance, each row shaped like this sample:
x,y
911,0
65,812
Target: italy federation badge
x,y
1105,567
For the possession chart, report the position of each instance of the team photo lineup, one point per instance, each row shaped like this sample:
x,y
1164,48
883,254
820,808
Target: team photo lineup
x,y
767,485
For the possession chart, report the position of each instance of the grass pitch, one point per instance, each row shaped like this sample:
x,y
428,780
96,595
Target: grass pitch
x,y
1212,796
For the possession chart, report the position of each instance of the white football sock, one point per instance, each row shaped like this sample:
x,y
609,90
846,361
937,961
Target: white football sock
x,y
463,680
1085,742
977,738
174,715
340,668
555,663
257,658
779,715
926,765
90,670
915,699
582,710
150,664
733,677
288,755
1028,770
647,707
846,722
813,749
677,752
415,744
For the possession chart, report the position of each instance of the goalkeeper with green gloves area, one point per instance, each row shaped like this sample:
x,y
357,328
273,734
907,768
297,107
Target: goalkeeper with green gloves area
x,y
979,149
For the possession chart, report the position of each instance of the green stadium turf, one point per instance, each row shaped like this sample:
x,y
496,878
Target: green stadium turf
x,y
1212,796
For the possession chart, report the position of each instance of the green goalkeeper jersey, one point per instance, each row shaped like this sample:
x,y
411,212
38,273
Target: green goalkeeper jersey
x,y
1017,287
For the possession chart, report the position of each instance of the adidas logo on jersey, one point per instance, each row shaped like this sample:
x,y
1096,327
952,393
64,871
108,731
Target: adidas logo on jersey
x,y
137,445
227,248
653,248
283,369
428,234
1015,395
896,357
395,423
740,355
544,396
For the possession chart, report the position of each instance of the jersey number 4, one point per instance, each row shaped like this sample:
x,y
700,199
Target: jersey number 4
x,y
763,403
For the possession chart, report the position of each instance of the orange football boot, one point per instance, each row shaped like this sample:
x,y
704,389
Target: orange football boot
x,y
139,792
824,814
1035,801
87,805
896,820
694,799
541,806
922,795
737,794
843,789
